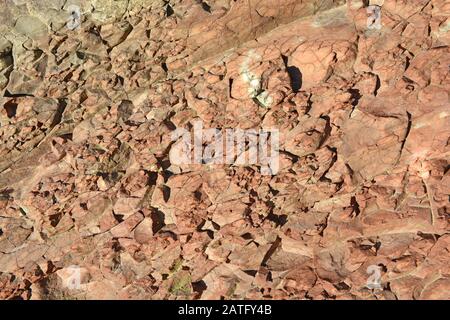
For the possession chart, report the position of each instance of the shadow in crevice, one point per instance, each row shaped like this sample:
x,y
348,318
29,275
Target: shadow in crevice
x,y
205,6
294,73
10,108
296,78
157,219
356,96
198,287
169,10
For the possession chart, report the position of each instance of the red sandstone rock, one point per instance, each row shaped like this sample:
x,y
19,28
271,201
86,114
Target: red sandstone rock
x,y
87,179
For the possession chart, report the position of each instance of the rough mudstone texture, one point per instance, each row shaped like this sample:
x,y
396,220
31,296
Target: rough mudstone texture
x,y
86,181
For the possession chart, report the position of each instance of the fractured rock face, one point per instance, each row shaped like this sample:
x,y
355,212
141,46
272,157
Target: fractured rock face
x,y
108,190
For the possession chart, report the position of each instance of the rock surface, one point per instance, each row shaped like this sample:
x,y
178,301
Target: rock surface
x,y
87,188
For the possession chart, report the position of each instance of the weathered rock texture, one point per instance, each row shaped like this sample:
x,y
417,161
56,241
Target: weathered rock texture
x,y
86,117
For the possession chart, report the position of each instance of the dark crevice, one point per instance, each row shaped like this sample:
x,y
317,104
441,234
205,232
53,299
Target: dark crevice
x,y
342,286
294,73
327,130
206,6
356,96
164,66
80,55
169,10
296,78
157,220
408,129
55,218
198,195
350,170
152,177
198,287
119,217
59,112
355,205
377,86
247,236
16,95
294,158
166,192
407,63
271,251
279,220
10,108
308,104
169,124
163,162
